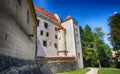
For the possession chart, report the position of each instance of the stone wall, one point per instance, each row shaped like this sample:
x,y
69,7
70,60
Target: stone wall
x,y
17,38
54,65
58,67
10,65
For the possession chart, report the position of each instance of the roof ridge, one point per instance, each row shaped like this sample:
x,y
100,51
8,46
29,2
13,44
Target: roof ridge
x,y
41,10
68,18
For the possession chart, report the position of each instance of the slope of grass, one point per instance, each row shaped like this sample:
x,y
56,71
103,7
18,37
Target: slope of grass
x,y
109,71
81,71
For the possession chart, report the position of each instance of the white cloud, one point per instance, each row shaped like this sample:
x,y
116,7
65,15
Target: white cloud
x,y
115,12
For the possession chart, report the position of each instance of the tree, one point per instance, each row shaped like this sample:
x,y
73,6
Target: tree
x,y
81,33
103,50
98,40
87,46
114,23
107,57
95,51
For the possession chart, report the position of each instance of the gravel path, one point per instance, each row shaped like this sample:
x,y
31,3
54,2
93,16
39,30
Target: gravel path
x,y
93,71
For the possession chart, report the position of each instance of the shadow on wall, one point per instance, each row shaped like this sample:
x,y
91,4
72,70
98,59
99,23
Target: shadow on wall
x,y
40,50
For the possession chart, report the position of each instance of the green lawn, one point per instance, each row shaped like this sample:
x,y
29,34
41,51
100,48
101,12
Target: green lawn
x,y
81,71
109,71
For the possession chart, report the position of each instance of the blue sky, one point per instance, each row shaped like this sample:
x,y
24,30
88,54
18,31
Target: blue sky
x,y
95,13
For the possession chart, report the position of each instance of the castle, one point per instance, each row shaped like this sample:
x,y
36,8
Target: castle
x,y
56,37
34,46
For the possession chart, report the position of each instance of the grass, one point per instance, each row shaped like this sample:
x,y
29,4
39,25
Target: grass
x,y
81,71
109,71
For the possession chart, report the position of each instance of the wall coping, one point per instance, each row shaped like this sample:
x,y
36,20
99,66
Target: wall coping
x,y
55,57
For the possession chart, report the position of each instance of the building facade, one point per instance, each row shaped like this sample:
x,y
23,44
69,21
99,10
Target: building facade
x,y
17,36
56,37
47,33
73,42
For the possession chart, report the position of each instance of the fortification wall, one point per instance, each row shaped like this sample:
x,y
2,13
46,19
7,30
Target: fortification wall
x,y
54,65
17,47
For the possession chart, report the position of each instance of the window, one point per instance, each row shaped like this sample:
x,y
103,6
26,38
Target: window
x,y
59,38
55,28
47,34
50,43
55,45
41,32
45,43
6,37
76,29
38,21
28,16
78,42
19,2
79,55
46,25
76,35
55,36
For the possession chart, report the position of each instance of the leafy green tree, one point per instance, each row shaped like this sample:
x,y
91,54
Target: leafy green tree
x,y
107,58
81,33
102,49
87,46
98,39
95,51
114,23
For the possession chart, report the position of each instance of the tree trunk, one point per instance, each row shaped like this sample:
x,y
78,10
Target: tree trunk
x,y
92,65
99,64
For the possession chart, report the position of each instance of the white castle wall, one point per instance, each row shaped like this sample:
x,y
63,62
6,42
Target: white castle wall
x,y
78,45
70,40
50,49
61,42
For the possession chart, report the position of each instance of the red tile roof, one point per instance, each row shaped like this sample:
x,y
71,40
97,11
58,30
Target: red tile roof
x,y
68,18
45,13
60,27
